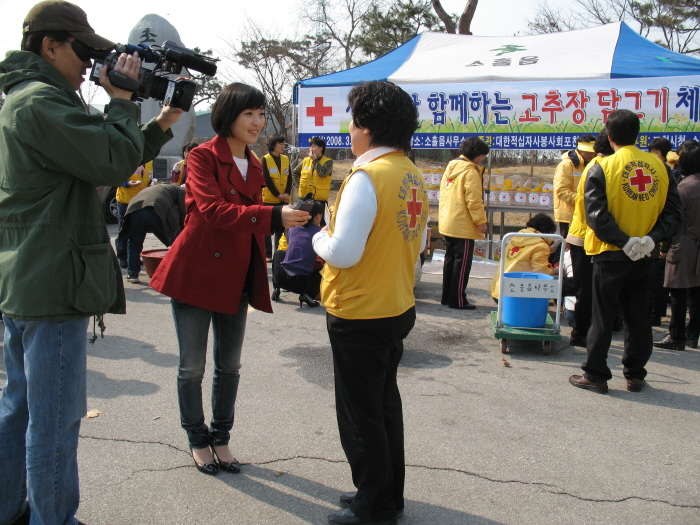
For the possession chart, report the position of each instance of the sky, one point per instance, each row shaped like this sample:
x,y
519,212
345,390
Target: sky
x,y
210,24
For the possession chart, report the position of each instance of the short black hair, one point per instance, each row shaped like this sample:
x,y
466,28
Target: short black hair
x,y
661,144
320,143
602,144
685,144
315,210
623,127
274,140
543,223
689,162
387,111
33,41
233,100
472,147
189,146
585,138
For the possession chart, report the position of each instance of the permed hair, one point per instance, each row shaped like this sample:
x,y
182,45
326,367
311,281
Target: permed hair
x,y
543,223
320,143
602,144
274,140
233,100
387,111
473,147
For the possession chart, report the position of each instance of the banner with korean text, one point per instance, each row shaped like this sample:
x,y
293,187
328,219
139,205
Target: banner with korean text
x,y
520,115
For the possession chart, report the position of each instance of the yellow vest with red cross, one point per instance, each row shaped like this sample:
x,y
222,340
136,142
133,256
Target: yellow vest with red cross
x,y
278,179
311,182
636,185
381,283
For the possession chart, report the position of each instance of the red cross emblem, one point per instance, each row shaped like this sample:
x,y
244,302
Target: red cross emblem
x,y
514,251
318,111
641,180
414,207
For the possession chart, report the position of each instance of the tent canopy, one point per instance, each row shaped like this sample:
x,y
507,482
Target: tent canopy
x,y
604,52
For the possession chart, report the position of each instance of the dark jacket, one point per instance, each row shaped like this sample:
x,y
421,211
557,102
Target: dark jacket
x,y
168,202
56,261
683,259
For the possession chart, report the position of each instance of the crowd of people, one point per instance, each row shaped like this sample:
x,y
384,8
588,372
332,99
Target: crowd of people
x,y
228,211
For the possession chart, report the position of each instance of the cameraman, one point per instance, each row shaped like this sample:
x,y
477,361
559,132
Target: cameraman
x,y
57,267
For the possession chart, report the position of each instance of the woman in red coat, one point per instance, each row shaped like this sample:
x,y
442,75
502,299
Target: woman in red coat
x,y
217,267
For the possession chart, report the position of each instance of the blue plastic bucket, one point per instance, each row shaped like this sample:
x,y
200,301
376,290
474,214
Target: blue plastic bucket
x,y
525,312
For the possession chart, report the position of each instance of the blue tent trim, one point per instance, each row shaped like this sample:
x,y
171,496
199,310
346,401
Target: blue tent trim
x,y
635,57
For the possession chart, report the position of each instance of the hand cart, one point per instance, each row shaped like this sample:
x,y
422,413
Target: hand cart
x,y
528,288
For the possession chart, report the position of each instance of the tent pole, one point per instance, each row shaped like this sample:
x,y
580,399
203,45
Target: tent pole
x,y
487,193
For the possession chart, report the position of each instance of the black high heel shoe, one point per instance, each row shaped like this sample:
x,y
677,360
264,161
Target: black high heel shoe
x,y
229,466
206,468
275,295
304,298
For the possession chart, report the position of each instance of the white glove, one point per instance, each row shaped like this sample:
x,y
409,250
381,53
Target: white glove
x,y
631,249
646,246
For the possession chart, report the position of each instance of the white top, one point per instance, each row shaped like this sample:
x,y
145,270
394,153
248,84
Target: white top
x,y
354,219
242,167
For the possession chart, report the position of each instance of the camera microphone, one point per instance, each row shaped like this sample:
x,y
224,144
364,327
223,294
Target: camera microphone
x,y
189,59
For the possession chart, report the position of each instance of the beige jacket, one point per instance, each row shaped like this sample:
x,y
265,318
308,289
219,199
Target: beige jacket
x,y
566,180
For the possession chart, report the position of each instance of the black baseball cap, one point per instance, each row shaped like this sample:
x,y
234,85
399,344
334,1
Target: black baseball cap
x,y
57,15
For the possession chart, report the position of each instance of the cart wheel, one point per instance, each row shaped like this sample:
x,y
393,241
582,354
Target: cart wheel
x,y
547,347
504,346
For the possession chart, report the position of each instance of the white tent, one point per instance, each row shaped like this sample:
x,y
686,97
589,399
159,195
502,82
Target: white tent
x,y
520,92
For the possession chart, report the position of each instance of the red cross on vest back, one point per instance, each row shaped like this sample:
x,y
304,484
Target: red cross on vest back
x,y
414,207
641,180
318,111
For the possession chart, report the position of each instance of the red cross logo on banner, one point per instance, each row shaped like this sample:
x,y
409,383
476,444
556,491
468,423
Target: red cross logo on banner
x,y
414,207
641,180
318,111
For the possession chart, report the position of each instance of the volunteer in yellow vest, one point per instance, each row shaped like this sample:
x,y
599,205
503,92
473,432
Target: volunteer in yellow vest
x,y
178,174
461,219
581,262
527,254
315,172
566,180
278,183
139,180
630,206
370,249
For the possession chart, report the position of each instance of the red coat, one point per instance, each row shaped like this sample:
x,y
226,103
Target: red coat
x,y
223,236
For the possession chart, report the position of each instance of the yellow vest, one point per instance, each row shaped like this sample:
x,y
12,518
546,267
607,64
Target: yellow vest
x,y
124,195
579,225
636,186
381,283
309,177
279,179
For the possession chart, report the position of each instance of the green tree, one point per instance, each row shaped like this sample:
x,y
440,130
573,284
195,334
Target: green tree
x,y
674,24
385,30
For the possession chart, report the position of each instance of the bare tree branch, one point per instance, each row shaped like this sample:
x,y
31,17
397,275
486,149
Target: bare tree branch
x,y
465,21
446,19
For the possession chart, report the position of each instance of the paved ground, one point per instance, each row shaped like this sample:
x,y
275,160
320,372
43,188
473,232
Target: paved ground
x,y
485,443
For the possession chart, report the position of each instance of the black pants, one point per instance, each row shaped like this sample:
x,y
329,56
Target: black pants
x,y
301,284
366,355
583,288
631,283
659,294
459,254
682,299
563,229
269,248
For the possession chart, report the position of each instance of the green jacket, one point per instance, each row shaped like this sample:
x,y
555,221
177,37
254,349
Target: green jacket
x,y
56,260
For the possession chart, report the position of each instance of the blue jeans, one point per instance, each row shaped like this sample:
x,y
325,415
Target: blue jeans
x,y
192,329
42,403
139,223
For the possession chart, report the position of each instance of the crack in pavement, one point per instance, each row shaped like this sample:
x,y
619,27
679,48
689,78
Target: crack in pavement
x,y
555,490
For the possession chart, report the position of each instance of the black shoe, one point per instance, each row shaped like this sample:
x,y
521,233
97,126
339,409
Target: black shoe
x,y
467,306
304,298
346,499
635,384
582,382
577,341
132,277
275,295
123,263
656,321
229,466
691,341
669,343
206,468
348,517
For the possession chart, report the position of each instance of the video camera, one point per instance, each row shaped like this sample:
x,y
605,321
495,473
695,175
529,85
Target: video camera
x,y
153,82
